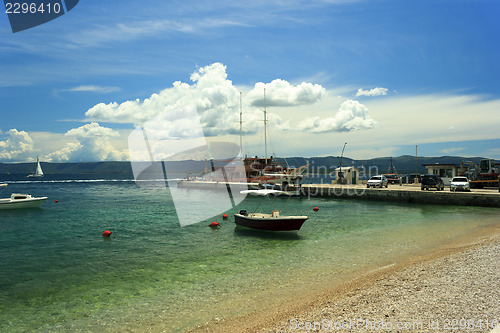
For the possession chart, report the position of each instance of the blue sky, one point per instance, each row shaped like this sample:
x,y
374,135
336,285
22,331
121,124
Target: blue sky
x,y
383,76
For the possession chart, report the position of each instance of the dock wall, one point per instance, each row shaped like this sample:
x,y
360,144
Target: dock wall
x,y
396,193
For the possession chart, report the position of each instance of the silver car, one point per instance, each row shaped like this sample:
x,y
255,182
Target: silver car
x,y
460,184
377,181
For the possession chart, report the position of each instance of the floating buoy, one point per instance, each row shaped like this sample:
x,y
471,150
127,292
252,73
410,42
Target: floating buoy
x,y
224,216
56,201
107,233
214,225
315,209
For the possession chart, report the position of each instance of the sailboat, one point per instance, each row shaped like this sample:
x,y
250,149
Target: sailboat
x,y
38,171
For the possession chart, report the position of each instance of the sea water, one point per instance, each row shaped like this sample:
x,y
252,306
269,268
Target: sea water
x,y
58,273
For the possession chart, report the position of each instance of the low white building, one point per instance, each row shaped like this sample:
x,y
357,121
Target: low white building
x,y
350,175
445,171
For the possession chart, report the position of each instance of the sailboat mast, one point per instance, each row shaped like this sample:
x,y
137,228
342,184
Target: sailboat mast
x,y
265,125
241,124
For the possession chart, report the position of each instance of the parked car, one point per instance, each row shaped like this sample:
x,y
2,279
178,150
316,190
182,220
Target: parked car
x,y
377,181
460,184
432,181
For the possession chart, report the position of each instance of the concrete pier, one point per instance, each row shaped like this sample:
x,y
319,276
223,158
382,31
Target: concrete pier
x,y
406,193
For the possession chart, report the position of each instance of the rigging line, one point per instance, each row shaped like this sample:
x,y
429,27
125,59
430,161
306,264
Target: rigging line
x,y
259,202
286,201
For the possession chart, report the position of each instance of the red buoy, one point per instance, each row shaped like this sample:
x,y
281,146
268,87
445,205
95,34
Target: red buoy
x,y
56,201
107,233
224,216
214,225
315,209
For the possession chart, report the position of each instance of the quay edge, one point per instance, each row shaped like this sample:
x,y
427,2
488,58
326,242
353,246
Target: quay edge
x,y
484,198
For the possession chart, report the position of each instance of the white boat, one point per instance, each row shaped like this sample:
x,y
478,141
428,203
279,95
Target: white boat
x,y
269,222
38,171
17,200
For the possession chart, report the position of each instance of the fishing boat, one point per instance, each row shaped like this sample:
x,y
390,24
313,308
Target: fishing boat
x,y
268,222
38,171
17,200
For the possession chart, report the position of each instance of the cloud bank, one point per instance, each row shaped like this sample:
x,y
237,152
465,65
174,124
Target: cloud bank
x,y
216,100
92,144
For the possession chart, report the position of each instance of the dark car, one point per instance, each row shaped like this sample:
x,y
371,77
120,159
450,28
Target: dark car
x,y
432,181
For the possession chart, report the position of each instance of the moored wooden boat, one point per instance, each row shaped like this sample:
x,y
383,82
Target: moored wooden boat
x,y
269,222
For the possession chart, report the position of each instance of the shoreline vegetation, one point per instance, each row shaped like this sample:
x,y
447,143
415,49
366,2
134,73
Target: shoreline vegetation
x,y
452,289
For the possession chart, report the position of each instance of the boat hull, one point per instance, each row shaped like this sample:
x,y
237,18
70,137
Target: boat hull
x,y
34,176
270,223
22,203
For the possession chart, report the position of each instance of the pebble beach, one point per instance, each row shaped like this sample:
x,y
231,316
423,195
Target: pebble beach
x,y
454,290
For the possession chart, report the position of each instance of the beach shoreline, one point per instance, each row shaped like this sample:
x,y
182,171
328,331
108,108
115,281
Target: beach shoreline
x,y
454,289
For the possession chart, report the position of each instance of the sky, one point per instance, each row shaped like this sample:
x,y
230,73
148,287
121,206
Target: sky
x,y
387,77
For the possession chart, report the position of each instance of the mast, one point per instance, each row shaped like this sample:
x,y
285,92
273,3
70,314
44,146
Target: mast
x,y
241,124
265,125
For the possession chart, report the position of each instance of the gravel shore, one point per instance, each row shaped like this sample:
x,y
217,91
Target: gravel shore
x,y
456,290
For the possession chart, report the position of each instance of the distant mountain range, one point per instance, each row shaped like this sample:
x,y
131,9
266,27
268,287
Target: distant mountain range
x,y
403,164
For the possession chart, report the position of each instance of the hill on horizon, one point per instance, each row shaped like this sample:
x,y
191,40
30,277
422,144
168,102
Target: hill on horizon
x,y
403,164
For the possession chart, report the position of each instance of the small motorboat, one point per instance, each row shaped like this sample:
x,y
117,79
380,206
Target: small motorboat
x,y
17,200
269,222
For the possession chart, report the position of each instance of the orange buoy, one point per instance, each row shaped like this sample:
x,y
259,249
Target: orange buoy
x,y
224,216
214,225
315,209
107,233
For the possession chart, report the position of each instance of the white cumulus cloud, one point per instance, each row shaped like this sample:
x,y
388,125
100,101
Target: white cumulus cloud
x,y
215,98
213,95
351,116
372,92
282,93
18,146
93,144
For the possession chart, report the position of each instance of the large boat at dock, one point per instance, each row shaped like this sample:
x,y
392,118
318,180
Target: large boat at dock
x,y
249,172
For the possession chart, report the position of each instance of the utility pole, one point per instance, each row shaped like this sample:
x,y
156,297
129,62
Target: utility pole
x,y
416,165
341,173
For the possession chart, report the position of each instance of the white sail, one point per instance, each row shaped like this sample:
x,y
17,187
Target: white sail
x,y
39,171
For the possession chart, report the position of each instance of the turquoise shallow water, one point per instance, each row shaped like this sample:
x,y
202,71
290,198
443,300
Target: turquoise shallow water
x,y
57,273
